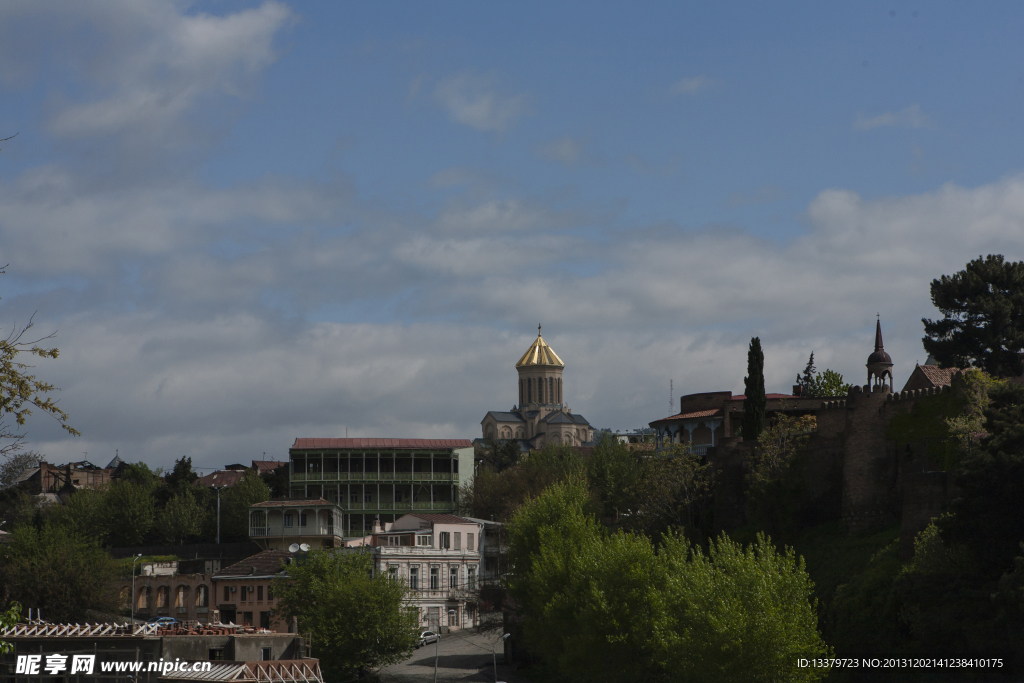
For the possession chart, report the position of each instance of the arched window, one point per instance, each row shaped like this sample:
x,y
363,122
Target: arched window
x,y
559,389
521,392
529,390
162,595
490,431
143,598
519,433
181,596
555,438
202,596
506,433
551,389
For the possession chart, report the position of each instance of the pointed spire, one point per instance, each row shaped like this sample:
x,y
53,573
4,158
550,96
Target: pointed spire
x,y
878,334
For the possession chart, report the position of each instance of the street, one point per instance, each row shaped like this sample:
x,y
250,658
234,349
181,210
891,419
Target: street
x,y
462,656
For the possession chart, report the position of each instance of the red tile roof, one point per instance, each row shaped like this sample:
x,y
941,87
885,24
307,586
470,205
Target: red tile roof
x,y
938,376
385,444
693,415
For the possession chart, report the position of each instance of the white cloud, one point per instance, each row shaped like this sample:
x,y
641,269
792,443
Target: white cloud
x,y
569,151
909,117
472,100
690,86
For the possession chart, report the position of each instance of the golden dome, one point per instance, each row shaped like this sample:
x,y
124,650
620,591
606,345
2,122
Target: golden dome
x,y
540,353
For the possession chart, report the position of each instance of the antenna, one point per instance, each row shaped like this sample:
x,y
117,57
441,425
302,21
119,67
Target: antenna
x,y
671,401
293,548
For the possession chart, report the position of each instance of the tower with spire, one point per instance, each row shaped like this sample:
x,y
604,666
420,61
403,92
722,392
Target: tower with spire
x,y
540,416
879,363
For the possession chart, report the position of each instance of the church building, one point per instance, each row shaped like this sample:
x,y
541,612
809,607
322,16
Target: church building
x,y
541,417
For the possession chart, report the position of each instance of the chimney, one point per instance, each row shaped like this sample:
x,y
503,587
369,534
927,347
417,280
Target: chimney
x,y
796,389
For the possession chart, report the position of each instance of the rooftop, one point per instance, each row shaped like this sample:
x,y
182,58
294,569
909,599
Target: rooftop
x,y
266,563
540,353
384,444
292,503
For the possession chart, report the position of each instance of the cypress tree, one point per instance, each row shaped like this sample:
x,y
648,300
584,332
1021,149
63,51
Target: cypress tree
x,y
753,385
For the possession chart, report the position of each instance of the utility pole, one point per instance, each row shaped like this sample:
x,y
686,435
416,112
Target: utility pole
x,y
218,512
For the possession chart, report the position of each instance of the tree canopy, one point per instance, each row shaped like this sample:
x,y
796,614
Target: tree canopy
x,y
983,323
357,617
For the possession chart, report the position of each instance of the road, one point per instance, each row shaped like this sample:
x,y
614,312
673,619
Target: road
x,y
462,656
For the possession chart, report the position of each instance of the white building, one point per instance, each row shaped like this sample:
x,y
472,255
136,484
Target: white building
x,y
438,556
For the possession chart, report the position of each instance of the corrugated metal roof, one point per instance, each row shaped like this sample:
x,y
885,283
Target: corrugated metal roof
x,y
383,444
694,415
280,671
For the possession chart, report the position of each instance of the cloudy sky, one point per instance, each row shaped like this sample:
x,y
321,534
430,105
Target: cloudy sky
x,y
253,221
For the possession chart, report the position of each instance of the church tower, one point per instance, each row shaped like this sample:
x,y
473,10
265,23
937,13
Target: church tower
x,y
540,375
879,363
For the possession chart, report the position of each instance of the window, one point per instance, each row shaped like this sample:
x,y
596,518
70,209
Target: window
x,y
469,542
414,578
444,539
180,596
453,577
265,623
289,520
302,519
216,653
353,498
162,593
202,597
227,593
551,389
393,572
266,650
259,593
425,540
471,578
367,498
435,578
270,592
247,618
458,540
244,589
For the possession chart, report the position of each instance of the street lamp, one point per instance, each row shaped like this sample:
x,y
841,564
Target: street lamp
x,y
134,560
218,512
494,652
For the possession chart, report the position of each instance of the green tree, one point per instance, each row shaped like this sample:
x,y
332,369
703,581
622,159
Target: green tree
x,y
357,617
773,488
807,377
983,323
613,471
181,474
675,490
235,502
182,518
58,571
501,454
739,614
131,512
85,512
753,384
827,384
8,619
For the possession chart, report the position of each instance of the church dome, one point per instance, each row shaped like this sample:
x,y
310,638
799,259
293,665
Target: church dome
x,y
540,353
879,356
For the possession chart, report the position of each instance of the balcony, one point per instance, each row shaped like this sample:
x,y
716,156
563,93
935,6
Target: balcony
x,y
309,530
426,550
375,477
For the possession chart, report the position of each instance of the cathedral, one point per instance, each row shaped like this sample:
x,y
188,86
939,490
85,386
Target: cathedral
x,y
541,417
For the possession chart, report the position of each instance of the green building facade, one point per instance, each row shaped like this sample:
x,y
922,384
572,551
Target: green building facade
x,y
380,478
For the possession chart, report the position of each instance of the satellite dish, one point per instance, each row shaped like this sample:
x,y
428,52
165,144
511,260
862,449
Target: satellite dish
x,y
293,548
304,547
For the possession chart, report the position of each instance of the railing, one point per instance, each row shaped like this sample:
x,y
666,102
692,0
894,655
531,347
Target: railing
x,y
310,530
375,476
700,450
425,550
77,630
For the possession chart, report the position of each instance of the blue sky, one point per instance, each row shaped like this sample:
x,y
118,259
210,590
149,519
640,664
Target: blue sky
x,y
256,221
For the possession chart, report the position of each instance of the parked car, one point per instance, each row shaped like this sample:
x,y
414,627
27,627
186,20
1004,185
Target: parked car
x,y
163,622
428,637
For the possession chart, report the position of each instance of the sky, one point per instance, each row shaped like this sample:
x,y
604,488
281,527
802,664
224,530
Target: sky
x,y
248,222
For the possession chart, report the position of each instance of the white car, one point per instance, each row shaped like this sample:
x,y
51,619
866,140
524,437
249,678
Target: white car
x,y
428,637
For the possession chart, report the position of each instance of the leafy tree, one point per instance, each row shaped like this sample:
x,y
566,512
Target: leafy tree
x,y
773,488
86,512
182,517
739,614
21,392
235,502
357,617
675,490
827,385
497,495
277,481
501,454
60,572
983,323
131,512
15,462
753,383
8,619
140,474
614,471
181,474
